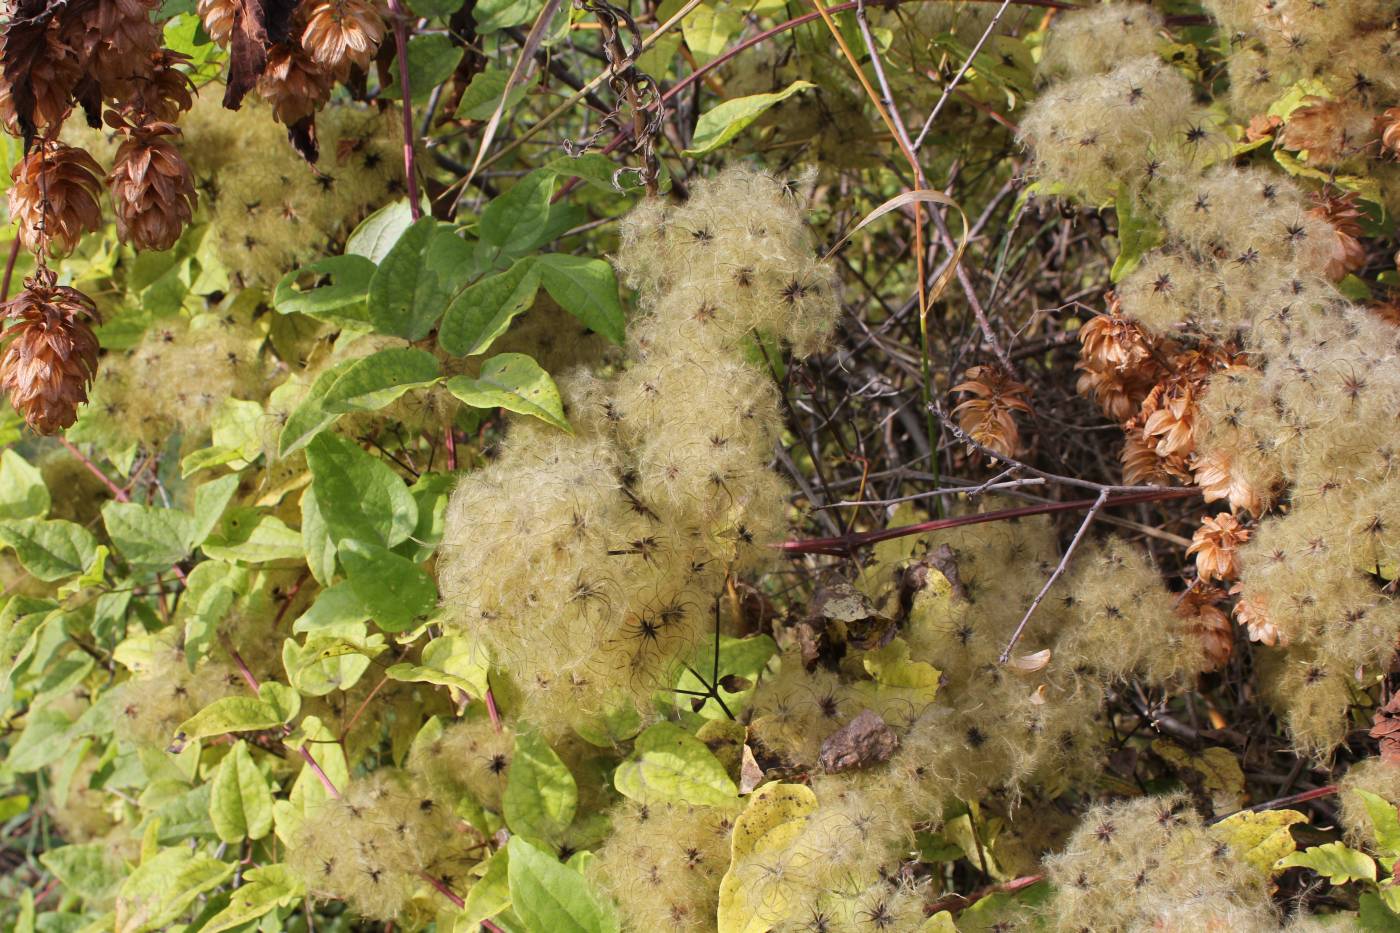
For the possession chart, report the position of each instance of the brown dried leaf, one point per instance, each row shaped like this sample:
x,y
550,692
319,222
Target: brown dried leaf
x,y
863,741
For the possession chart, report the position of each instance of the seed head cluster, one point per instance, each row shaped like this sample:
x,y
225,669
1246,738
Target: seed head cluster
x,y
589,561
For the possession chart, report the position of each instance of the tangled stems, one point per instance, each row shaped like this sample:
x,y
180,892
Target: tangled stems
x,y
847,545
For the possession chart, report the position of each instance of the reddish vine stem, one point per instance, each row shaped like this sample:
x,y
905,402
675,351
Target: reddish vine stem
x,y
846,545
10,268
117,492
251,679
396,10
1281,802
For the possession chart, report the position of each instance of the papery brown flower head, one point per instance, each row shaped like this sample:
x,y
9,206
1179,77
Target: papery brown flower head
x,y
987,415
1386,729
1341,213
50,353
115,40
54,197
1200,606
1219,479
39,72
341,34
152,186
1216,545
293,84
1253,614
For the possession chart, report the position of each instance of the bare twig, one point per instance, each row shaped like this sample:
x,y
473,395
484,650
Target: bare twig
x,y
1059,570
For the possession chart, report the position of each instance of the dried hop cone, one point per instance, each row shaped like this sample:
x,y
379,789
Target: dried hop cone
x,y
1216,545
55,196
38,72
50,354
1348,252
152,186
293,84
219,17
340,34
987,413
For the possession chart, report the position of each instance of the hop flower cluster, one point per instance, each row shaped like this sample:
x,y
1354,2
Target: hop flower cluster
x,y
589,562
1248,258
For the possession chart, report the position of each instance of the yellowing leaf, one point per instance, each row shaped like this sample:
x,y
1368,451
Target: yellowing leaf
x,y
775,815
1260,839
1336,862
891,667
1218,768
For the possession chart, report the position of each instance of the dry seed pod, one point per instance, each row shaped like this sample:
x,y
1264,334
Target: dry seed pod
x,y
55,197
986,415
340,34
152,186
50,356
38,73
294,84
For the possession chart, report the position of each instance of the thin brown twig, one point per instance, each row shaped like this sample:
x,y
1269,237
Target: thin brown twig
x,y
117,492
1059,570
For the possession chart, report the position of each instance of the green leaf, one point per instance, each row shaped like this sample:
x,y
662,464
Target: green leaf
x,y
240,803
401,294
728,119
376,380
46,737
740,658
1376,914
1138,233
773,816
316,539
275,704
51,550
432,58
541,795
210,500
310,417
483,95
494,15
449,661
708,28
340,299
148,536
22,490
514,221
1385,823
164,886
1260,839
550,896
586,288
378,232
359,495
481,312
515,382
251,536
490,895
237,438
328,661
210,591
91,871
264,889
669,764
396,591
1334,861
